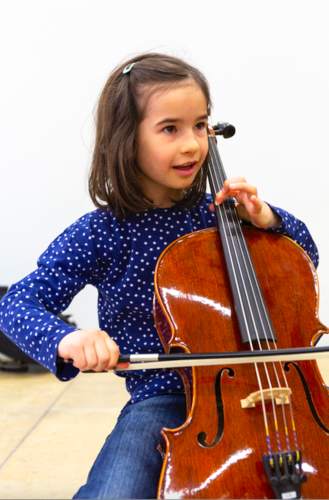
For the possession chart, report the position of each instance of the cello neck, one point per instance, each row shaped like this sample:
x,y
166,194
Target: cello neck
x,y
253,318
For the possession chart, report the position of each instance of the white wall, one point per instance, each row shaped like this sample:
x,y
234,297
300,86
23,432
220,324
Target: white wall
x,y
267,64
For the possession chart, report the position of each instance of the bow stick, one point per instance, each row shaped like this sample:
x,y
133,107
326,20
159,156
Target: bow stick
x,y
180,360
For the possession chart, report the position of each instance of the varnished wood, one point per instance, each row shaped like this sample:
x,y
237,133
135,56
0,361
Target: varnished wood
x,y
194,312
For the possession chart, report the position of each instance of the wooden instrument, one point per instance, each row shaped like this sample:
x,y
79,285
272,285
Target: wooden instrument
x,y
257,430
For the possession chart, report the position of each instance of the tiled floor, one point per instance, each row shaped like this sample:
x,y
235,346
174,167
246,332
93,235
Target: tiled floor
x,y
50,432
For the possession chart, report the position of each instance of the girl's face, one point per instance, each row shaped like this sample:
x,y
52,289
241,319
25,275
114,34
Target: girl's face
x,y
172,142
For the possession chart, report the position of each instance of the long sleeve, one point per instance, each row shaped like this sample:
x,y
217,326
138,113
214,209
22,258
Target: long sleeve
x,y
118,258
28,312
298,232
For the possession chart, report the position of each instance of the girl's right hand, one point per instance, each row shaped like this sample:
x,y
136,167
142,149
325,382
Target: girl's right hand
x,y
90,350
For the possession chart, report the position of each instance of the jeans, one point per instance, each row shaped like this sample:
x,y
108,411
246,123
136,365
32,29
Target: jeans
x,y
129,465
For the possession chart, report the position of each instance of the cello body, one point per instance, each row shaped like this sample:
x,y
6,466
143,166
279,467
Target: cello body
x,y
218,452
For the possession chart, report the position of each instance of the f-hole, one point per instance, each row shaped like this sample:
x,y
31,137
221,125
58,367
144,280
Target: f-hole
x,y
202,436
307,394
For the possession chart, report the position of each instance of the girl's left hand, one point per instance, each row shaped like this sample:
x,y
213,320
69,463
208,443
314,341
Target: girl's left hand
x,y
249,206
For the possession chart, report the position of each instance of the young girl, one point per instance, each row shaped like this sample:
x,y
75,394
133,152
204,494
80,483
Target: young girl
x,y
148,180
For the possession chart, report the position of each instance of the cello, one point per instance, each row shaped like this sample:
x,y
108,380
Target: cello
x,y
257,430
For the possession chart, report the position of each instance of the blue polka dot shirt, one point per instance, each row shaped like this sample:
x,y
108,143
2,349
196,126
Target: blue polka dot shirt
x,y
119,259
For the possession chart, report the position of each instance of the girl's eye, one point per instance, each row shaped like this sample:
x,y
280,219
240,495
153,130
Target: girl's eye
x,y
201,125
169,129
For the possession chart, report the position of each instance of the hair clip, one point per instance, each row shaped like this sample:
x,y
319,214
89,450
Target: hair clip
x,y
128,67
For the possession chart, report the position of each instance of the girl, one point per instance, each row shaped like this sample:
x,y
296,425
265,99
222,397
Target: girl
x,y
148,180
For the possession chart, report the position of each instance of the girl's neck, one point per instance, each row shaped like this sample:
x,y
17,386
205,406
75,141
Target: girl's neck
x,y
170,201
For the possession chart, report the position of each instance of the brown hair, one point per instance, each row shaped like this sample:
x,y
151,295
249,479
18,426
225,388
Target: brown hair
x,y
114,177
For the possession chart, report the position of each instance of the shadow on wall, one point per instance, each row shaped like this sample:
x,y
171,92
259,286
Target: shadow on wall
x,y
12,358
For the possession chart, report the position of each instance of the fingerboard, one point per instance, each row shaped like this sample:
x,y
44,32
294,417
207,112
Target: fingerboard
x,y
253,318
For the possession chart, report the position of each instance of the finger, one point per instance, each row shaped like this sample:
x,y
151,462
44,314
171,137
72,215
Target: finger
x,y
77,353
103,355
223,194
89,339
114,352
257,203
242,212
251,211
91,358
232,187
234,180
243,186
112,356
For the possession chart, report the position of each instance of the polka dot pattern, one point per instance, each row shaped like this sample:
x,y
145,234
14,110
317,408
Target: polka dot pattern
x,y
298,232
118,258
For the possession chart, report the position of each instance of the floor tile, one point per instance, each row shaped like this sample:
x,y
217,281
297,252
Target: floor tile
x,y
52,431
15,425
53,462
90,390
36,388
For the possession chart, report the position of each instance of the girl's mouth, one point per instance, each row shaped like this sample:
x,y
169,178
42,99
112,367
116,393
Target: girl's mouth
x,y
186,168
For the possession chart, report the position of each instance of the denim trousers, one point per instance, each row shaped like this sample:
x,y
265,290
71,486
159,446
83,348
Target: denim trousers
x,y
129,464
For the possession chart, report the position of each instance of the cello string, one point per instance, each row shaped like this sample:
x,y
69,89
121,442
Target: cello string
x,y
223,214
238,267
212,171
250,343
270,328
221,174
220,171
278,381
216,171
244,254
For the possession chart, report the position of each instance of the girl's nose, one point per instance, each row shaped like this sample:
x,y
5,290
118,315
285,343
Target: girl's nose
x,y
190,145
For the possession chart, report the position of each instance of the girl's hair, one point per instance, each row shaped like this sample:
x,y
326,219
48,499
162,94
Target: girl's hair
x,y
114,178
